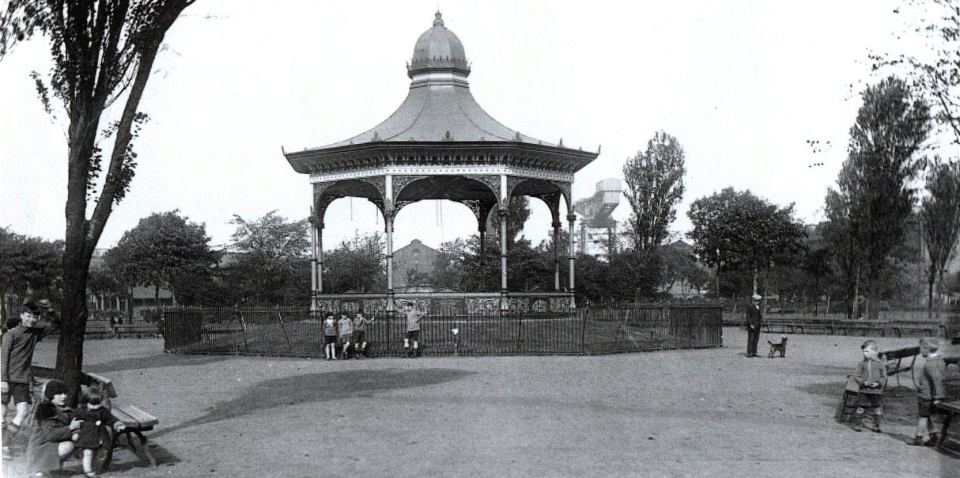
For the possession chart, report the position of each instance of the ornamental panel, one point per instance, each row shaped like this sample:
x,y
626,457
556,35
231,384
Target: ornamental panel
x,y
492,182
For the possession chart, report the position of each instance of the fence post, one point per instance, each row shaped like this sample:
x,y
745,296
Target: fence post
x,y
583,331
519,331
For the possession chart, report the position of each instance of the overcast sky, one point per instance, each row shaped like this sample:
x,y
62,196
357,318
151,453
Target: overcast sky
x,y
742,85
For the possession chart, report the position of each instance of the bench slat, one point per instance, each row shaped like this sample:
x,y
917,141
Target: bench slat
x,y
139,416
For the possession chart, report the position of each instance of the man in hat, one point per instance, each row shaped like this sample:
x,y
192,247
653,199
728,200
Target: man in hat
x,y
16,356
754,321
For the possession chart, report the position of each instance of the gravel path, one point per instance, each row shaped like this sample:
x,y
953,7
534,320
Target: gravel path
x,y
679,413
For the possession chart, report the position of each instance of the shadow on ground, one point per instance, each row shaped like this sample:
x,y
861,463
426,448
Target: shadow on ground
x,y
154,361
319,387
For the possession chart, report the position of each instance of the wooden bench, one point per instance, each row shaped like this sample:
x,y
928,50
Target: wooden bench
x,y
895,361
139,330
99,329
949,409
134,418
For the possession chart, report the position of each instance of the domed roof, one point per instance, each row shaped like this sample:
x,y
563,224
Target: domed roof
x,y
438,49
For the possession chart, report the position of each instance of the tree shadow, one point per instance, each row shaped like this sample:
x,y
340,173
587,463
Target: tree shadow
x,y
318,387
154,361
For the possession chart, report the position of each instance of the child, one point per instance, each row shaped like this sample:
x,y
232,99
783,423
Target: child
x,y
16,356
413,330
93,431
360,333
930,390
872,377
53,429
330,338
346,333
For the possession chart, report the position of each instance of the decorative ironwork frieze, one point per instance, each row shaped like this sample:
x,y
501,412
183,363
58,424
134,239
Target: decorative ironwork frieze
x,y
492,182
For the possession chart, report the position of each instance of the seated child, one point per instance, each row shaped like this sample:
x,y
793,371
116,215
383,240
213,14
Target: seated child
x,y
53,430
930,391
872,377
93,431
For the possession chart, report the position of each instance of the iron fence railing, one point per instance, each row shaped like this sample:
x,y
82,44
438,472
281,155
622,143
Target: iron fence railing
x,y
294,331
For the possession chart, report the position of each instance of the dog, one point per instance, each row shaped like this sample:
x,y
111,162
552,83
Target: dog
x,y
781,347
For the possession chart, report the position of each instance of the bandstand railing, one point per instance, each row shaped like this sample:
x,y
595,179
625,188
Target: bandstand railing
x,y
296,331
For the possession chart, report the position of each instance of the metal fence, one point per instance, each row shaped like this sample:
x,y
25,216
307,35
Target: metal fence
x,y
294,331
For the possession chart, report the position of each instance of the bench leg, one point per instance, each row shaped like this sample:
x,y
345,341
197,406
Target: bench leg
x,y
943,431
108,455
143,450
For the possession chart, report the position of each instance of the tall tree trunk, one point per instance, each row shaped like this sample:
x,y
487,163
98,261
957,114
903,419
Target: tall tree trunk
x,y
854,301
931,278
873,301
73,319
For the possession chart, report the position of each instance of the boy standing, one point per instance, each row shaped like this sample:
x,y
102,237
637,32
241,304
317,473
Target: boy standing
x,y
872,377
413,330
16,356
346,334
360,333
930,391
329,338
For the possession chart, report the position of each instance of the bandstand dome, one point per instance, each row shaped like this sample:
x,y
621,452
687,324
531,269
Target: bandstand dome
x,y
441,144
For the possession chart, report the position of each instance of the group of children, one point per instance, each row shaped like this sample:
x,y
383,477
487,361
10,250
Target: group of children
x,y
871,377
58,431
351,335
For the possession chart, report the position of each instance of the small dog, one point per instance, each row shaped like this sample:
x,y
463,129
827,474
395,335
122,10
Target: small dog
x,y
781,347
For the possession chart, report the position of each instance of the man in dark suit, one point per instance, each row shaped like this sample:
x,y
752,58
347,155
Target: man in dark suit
x,y
754,320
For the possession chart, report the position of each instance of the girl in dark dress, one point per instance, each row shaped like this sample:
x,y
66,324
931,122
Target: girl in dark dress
x,y
93,431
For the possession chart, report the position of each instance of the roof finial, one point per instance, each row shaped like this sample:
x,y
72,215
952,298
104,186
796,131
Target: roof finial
x,y
438,21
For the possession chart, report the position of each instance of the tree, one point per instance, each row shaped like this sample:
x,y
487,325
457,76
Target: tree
x,y
940,219
817,265
680,267
29,264
934,72
874,196
160,250
357,265
270,260
101,52
654,188
739,230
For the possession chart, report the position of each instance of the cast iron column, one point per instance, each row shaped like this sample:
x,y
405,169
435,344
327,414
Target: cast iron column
x,y
313,267
556,255
572,218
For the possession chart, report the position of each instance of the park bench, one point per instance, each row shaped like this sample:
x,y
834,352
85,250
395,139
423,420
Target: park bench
x,y
99,329
863,327
134,418
138,330
896,361
914,328
949,409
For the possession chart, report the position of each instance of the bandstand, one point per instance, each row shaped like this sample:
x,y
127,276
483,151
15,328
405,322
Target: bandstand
x,y
440,144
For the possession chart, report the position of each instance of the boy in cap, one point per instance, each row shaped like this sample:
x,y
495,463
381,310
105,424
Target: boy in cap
x,y
16,356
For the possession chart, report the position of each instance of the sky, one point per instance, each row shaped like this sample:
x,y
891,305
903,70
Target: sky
x,y
743,85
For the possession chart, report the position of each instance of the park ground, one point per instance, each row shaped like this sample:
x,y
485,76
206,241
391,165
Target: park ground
x,y
711,412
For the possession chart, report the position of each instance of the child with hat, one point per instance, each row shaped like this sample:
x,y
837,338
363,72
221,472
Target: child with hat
x,y
94,429
53,430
